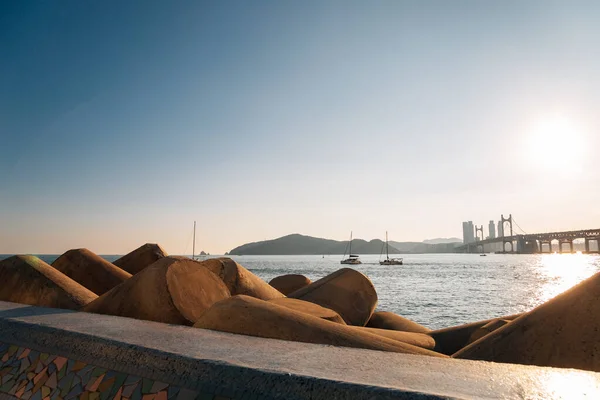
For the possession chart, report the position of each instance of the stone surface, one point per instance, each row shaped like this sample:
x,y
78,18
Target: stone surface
x,y
239,280
346,291
275,369
90,270
562,332
416,339
450,340
389,320
140,258
70,378
250,316
29,280
487,329
287,284
172,290
309,308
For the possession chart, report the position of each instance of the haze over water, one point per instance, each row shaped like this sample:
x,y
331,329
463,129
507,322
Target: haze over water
x,y
441,290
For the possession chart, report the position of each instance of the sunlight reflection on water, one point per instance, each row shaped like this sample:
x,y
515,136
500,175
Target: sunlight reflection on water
x,y
561,272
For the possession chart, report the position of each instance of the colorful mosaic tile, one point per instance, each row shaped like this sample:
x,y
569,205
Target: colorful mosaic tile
x,y
26,374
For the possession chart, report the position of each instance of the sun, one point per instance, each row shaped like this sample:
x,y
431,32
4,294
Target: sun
x,y
556,144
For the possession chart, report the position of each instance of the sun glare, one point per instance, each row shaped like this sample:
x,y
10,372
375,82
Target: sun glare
x,y
559,384
556,145
563,271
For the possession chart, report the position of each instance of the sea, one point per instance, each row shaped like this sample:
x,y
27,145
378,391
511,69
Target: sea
x,y
442,290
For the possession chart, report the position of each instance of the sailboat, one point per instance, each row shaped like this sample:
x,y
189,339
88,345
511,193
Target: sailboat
x,y
388,260
352,259
194,256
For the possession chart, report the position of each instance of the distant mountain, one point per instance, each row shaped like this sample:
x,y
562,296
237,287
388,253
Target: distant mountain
x,y
422,248
297,244
404,247
443,240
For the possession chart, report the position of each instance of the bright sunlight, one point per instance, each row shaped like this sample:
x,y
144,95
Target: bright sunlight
x,y
556,144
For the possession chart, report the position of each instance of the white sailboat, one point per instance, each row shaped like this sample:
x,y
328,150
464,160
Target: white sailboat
x,y
388,260
352,259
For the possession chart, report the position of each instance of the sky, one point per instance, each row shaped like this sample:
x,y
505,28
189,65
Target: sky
x,y
122,122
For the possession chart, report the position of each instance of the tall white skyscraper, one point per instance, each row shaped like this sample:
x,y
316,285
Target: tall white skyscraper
x,y
492,229
500,229
468,232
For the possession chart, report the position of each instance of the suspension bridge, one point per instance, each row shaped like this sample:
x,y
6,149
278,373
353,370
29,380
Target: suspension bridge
x,y
531,243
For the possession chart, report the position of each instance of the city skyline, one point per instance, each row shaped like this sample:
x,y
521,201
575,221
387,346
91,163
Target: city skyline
x,y
122,123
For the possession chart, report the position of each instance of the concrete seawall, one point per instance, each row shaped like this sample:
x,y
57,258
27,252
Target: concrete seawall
x,y
49,354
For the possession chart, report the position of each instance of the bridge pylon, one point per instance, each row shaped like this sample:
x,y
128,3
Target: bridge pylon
x,y
479,229
510,223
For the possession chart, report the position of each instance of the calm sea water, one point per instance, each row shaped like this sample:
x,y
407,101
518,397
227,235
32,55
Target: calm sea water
x,y
440,290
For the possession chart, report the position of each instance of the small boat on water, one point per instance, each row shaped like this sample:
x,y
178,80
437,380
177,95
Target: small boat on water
x,y
388,260
352,258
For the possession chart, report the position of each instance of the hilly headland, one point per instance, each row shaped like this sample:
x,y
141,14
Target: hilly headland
x,y
296,244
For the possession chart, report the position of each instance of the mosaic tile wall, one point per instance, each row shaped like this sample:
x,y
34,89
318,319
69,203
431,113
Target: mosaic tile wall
x,y
30,375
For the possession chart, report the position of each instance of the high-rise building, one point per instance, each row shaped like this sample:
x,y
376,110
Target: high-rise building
x,y
492,229
471,232
500,229
468,232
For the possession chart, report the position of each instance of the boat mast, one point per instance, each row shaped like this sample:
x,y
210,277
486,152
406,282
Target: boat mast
x,y
387,254
350,244
194,244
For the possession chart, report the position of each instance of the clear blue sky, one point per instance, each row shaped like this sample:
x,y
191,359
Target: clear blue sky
x,y
122,122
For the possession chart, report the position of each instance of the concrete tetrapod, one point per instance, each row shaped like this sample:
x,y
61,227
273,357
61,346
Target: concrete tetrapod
x,y
309,308
29,280
90,270
452,339
346,291
140,258
389,320
172,290
246,315
487,329
287,284
239,280
563,332
416,339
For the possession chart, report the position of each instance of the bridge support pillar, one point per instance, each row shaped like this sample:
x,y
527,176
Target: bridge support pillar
x,y
550,247
587,245
597,239
561,244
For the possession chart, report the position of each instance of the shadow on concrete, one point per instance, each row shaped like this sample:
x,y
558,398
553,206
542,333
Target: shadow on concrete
x,y
30,311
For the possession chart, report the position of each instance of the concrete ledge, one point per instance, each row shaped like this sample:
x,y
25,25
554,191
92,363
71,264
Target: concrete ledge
x,y
237,366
